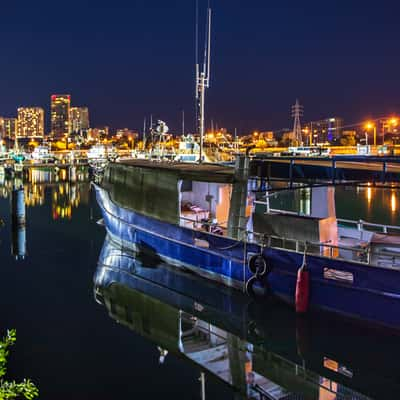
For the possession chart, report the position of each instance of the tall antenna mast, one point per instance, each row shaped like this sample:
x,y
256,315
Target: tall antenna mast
x,y
144,134
297,112
183,122
203,80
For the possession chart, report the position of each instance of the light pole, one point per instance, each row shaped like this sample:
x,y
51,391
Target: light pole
x,y
369,126
131,140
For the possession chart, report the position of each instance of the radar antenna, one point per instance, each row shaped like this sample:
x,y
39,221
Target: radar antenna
x,y
203,80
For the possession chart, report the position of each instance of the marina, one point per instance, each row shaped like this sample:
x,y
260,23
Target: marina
x,y
159,239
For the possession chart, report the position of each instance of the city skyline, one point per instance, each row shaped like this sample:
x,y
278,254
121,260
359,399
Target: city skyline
x,y
140,61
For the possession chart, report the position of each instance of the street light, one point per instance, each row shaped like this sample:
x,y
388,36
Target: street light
x,y
306,132
369,126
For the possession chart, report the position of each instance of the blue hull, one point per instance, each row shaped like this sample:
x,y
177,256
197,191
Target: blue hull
x,y
373,296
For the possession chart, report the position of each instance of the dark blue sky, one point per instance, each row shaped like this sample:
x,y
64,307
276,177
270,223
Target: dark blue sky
x,y
125,60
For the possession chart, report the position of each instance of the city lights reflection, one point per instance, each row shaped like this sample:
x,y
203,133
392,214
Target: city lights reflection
x,y
369,195
393,202
41,185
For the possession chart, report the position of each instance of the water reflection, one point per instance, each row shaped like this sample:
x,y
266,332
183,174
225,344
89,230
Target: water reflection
x,y
260,349
393,202
18,223
369,203
35,188
68,188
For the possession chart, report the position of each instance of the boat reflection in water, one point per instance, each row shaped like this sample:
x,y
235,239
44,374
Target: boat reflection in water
x,y
262,350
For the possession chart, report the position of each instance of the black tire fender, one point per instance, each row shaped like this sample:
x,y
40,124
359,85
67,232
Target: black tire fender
x,y
258,265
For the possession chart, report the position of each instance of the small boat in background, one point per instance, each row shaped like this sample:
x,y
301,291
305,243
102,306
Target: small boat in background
x,y
42,153
101,152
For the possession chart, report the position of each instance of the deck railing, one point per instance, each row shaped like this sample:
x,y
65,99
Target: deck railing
x,y
325,249
362,225
359,254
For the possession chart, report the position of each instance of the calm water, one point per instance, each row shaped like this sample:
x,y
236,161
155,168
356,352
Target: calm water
x,y
371,204
71,347
66,343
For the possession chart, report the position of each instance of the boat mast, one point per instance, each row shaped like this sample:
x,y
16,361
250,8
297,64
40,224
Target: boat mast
x,y
203,81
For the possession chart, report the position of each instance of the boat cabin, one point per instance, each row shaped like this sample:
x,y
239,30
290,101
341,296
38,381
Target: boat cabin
x,y
204,205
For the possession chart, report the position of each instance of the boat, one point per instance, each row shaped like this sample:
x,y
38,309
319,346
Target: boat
x,y
42,153
188,150
206,218
258,349
209,219
100,152
308,151
99,156
18,157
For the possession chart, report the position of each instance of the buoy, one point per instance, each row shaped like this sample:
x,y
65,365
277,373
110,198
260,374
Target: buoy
x,y
302,287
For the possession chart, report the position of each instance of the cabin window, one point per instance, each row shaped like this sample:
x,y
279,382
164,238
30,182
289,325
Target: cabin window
x,y
186,186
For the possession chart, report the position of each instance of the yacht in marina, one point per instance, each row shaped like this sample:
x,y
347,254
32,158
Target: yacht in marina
x,y
42,153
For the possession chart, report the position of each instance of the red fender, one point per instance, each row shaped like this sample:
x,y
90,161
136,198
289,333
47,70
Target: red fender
x,y
302,290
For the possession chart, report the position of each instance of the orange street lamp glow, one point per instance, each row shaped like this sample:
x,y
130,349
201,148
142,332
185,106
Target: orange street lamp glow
x,y
394,121
369,125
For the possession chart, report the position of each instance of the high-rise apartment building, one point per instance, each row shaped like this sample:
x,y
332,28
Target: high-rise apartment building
x,y
60,114
79,120
30,122
323,131
10,128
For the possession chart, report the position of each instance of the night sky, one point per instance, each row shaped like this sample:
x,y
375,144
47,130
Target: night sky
x,y
126,60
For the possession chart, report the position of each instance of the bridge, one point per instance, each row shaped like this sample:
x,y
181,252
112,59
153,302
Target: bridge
x,y
334,168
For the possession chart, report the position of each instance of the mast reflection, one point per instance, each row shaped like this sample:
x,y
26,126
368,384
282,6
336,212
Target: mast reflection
x,y
260,349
